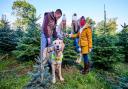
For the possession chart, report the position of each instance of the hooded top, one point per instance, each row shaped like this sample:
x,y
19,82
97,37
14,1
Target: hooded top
x,y
75,25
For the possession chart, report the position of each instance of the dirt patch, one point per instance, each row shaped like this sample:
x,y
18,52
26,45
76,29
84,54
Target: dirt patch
x,y
69,69
13,65
24,71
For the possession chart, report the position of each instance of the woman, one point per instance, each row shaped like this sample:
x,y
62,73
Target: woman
x,y
85,42
75,30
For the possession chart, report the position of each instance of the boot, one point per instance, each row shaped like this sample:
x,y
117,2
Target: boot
x,y
86,68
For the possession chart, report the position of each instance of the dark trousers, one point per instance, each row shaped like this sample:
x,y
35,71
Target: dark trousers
x,y
85,57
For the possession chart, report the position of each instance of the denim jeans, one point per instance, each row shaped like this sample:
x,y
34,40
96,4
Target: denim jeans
x,y
43,41
76,41
85,57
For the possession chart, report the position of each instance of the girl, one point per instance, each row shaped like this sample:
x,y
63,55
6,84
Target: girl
x,y
85,42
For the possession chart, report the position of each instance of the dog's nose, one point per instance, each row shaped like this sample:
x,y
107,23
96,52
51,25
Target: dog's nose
x,y
57,46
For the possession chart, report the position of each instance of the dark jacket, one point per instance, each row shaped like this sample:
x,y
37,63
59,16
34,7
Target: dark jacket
x,y
49,24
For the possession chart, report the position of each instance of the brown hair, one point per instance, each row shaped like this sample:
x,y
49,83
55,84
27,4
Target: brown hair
x,y
59,11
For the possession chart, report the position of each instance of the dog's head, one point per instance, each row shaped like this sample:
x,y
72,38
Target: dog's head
x,y
57,44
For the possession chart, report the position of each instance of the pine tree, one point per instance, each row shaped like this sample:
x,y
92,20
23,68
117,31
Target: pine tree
x,y
19,33
29,45
70,55
40,77
123,40
8,39
105,51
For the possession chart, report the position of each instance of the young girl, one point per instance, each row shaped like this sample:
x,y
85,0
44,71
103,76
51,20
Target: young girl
x,y
85,42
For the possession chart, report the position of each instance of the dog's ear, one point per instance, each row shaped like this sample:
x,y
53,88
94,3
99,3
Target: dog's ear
x,y
62,42
52,48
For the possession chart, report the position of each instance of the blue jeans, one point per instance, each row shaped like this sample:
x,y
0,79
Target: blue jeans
x,y
43,46
85,56
43,41
76,41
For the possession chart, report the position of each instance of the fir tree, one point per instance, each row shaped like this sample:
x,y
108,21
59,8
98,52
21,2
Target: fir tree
x,y
105,51
40,77
29,45
123,40
70,55
19,33
8,39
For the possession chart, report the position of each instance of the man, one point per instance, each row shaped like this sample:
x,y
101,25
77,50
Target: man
x,y
48,28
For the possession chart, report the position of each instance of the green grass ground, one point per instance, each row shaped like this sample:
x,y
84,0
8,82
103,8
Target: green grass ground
x,y
13,75
75,80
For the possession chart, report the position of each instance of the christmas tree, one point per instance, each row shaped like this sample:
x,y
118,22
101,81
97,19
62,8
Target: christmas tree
x,y
8,39
29,45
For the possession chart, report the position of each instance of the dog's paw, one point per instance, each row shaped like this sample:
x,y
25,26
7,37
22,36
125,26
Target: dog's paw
x,y
61,79
53,80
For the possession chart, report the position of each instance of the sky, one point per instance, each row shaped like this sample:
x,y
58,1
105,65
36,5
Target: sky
x,y
88,8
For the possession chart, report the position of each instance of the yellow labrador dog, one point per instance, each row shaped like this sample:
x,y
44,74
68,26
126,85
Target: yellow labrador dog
x,y
55,57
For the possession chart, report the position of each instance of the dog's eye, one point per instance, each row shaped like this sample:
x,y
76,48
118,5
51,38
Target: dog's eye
x,y
55,43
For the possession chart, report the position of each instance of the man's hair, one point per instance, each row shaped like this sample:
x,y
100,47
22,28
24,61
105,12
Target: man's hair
x,y
59,11
74,14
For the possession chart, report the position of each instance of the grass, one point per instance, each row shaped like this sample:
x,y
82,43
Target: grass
x,y
75,80
12,81
121,69
13,75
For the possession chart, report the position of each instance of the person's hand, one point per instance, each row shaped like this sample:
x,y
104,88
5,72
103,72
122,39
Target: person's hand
x,y
66,34
90,50
49,41
70,35
79,49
